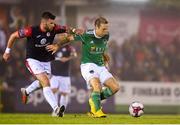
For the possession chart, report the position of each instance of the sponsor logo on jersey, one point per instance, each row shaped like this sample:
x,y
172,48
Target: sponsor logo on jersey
x,y
43,41
43,45
93,48
96,50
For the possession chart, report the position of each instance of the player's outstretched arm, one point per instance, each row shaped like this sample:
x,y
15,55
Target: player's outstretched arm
x,y
68,37
53,48
64,39
10,43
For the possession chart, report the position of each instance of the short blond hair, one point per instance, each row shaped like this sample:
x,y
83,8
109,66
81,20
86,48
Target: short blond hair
x,y
99,21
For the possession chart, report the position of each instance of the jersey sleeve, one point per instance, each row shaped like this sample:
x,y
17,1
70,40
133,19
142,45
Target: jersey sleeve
x,y
25,32
60,29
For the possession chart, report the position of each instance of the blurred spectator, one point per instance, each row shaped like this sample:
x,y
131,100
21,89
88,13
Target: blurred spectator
x,y
18,20
150,61
2,37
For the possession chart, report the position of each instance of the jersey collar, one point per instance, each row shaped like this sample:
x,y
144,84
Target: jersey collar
x,y
96,35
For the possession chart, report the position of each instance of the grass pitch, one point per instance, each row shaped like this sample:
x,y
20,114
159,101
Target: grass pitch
x,y
84,119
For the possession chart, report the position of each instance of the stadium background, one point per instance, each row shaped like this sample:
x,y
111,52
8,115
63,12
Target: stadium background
x,y
144,49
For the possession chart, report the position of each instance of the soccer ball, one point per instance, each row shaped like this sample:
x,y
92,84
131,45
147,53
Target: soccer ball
x,y
136,109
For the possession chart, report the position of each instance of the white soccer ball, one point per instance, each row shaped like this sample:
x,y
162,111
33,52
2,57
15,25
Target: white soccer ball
x,y
136,109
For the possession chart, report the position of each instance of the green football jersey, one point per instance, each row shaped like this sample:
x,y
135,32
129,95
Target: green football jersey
x,y
92,47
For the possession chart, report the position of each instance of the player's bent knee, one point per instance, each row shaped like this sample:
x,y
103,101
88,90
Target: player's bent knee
x,y
43,80
113,85
96,87
45,84
116,87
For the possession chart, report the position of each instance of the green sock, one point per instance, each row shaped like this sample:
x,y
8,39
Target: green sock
x,y
96,99
107,92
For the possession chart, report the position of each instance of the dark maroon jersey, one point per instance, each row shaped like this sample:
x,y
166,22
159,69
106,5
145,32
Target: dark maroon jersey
x,y
37,40
59,68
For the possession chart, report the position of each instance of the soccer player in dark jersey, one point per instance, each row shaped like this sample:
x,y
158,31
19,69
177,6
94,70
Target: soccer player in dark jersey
x,y
60,80
37,57
93,64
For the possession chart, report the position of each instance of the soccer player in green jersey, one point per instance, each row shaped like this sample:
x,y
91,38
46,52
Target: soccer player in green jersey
x,y
93,64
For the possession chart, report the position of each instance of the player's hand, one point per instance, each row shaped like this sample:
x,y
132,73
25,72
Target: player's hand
x,y
6,56
79,31
70,37
53,48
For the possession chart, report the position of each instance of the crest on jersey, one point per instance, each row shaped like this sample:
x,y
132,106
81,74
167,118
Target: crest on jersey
x,y
48,34
43,41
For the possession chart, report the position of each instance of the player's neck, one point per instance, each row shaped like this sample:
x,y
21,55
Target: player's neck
x,y
42,28
96,34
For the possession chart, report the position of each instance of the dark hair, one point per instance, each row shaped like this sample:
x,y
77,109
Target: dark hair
x,y
48,15
99,21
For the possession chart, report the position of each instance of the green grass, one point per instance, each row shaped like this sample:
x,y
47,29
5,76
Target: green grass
x,y
83,118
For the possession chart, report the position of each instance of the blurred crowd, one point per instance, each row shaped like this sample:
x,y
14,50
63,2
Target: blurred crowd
x,y
137,60
15,68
